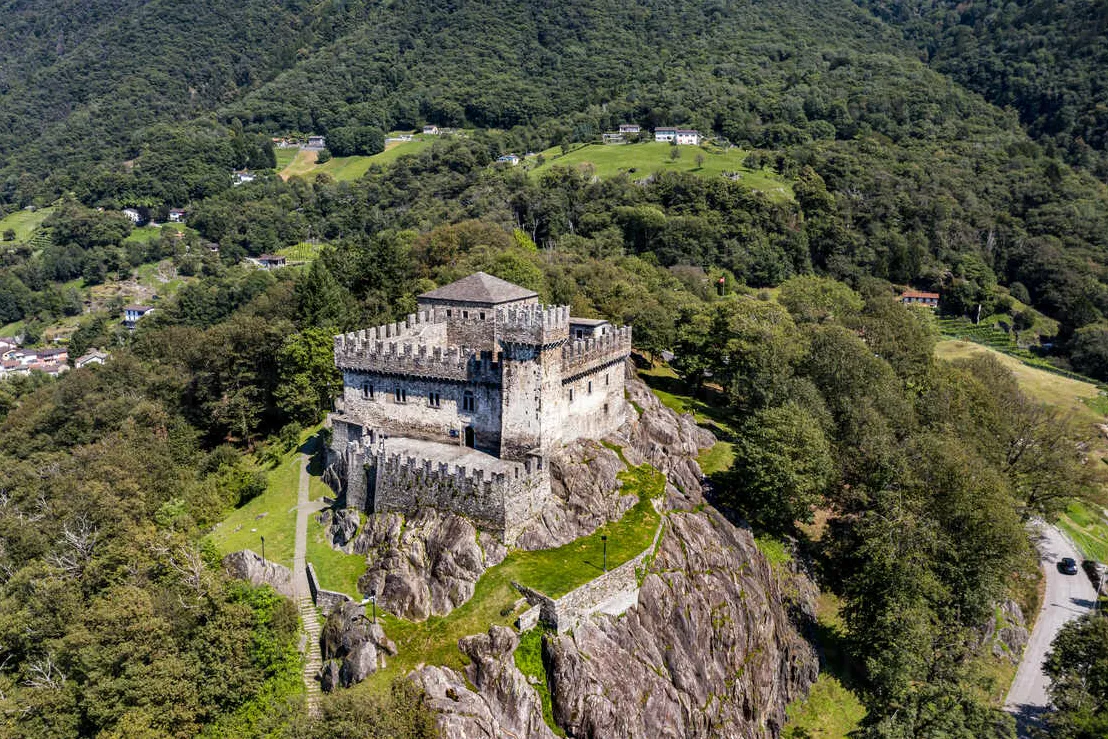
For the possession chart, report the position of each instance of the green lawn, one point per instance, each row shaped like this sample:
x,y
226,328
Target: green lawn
x,y
24,222
148,233
285,157
643,159
336,570
553,571
1088,530
351,168
243,528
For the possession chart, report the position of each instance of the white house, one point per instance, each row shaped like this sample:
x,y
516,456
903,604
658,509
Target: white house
x,y
93,357
511,159
611,138
317,142
626,128
132,214
132,314
243,176
176,215
431,130
679,136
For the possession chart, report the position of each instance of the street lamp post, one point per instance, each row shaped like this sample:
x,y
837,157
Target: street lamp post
x,y
373,602
604,540
263,551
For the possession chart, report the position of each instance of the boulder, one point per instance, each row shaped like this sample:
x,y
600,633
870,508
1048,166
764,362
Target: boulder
x,y
342,525
352,647
1006,633
427,564
246,565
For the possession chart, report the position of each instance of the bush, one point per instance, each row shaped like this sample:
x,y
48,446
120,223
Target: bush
x,y
323,157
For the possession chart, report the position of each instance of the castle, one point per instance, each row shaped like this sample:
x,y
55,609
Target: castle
x,y
460,406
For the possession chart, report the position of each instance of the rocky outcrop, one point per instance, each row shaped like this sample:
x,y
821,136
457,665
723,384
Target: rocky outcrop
x,y
246,565
1006,633
427,564
708,651
502,704
352,647
342,526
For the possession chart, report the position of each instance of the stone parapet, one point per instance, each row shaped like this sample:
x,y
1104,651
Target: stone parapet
x,y
533,325
583,356
418,360
325,600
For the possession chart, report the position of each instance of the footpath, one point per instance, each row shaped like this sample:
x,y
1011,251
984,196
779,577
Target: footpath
x,y
313,659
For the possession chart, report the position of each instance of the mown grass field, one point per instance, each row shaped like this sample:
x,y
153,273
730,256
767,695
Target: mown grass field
x,y
643,159
285,157
24,222
1088,529
302,252
346,169
553,571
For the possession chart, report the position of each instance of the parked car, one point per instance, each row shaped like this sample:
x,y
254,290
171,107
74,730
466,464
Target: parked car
x,y
1092,569
1068,566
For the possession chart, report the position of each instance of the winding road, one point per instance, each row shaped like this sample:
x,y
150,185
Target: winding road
x,y
1067,597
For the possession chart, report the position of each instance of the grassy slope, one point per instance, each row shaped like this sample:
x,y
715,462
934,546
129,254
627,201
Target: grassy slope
x,y
285,157
351,168
553,571
649,157
24,222
243,528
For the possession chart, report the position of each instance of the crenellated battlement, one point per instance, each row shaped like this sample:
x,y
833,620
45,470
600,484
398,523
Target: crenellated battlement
x,y
581,356
537,325
415,325
417,360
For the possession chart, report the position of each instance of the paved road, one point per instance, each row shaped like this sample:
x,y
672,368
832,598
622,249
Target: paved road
x,y
1067,597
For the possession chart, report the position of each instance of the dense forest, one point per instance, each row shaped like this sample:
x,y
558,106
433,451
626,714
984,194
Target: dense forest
x,y
1045,59
972,171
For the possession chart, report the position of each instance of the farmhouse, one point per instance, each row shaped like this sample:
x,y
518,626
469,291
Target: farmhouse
x,y
913,296
272,261
459,406
431,130
511,159
629,128
95,356
611,138
679,136
243,176
133,215
132,314
176,215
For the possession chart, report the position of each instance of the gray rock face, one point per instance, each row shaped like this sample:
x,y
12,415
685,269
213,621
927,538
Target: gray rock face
x,y
352,647
708,651
504,704
342,525
426,565
1007,634
246,565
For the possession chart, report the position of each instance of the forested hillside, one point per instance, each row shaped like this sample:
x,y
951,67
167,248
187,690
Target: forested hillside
x,y
1044,58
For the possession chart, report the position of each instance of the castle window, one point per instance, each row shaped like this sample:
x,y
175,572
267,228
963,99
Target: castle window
x,y
469,403
606,380
465,314
571,395
590,387
482,315
449,313
400,395
433,400
367,390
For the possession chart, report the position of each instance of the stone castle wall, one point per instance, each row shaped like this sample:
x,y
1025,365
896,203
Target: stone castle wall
x,y
416,417
499,502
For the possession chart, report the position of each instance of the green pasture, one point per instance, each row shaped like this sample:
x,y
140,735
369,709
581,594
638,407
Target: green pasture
x,y
644,159
24,222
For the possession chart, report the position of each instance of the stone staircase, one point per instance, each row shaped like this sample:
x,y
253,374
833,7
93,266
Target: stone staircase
x,y
313,659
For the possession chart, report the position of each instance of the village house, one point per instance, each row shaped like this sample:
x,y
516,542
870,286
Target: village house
x,y
132,314
317,142
430,130
176,215
133,215
511,159
611,138
629,128
243,176
909,297
459,406
94,356
679,136
272,261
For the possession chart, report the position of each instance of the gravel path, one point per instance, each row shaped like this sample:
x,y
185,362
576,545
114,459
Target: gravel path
x,y
1067,597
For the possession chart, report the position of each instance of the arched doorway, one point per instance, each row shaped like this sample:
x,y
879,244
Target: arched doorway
x,y
469,437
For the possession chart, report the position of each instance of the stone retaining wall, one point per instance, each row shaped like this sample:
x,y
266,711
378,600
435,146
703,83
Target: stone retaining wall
x,y
563,613
325,600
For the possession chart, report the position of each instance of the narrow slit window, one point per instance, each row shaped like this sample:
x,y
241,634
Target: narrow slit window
x,y
590,387
433,399
400,395
571,395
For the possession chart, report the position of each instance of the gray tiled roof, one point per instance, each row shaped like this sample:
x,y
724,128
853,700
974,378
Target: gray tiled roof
x,y
480,287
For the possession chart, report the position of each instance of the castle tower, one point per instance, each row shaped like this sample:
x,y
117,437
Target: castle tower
x,y
532,405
